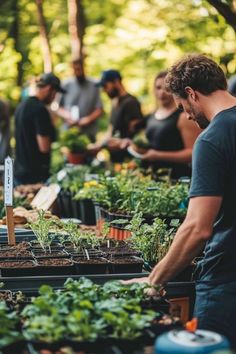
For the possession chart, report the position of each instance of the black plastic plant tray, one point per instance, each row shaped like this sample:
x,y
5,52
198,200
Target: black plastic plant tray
x,y
82,266
18,272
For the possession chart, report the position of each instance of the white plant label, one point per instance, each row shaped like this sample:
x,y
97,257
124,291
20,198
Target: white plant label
x,y
8,182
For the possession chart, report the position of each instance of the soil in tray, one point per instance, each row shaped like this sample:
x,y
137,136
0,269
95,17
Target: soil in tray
x,y
17,264
53,254
19,250
48,262
12,268
56,266
91,266
125,265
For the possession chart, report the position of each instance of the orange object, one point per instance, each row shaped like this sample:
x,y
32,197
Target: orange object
x,y
191,326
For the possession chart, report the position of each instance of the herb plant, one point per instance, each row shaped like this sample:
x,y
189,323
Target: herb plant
x,y
9,322
41,228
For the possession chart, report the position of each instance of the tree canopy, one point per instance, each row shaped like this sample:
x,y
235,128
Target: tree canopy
x,y
138,37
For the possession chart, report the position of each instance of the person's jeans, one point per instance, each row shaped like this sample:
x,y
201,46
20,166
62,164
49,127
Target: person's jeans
x,y
215,308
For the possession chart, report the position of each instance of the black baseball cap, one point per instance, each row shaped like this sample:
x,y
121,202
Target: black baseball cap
x,y
50,79
109,75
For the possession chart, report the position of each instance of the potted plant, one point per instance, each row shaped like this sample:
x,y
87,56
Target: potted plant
x,y
76,145
50,261
140,143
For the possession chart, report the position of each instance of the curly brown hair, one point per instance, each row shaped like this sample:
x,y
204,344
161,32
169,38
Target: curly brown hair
x,y
197,71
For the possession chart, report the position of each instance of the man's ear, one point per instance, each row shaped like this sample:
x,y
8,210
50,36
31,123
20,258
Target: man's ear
x,y
190,92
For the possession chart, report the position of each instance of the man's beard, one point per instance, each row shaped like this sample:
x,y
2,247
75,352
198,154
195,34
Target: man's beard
x,y
199,118
113,93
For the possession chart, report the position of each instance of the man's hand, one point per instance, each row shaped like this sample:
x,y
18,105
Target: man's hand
x,y
93,149
115,144
150,292
135,280
84,121
150,155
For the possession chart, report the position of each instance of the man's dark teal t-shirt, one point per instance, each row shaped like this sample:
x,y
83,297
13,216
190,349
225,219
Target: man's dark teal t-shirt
x,y
214,174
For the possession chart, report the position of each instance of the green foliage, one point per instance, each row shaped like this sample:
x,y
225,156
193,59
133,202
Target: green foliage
x,y
153,241
141,141
41,228
86,311
79,238
113,27
8,326
74,140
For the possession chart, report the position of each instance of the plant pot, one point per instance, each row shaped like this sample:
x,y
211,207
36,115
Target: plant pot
x,y
66,203
49,348
119,265
10,268
56,266
87,212
118,233
58,253
92,266
17,347
76,158
75,206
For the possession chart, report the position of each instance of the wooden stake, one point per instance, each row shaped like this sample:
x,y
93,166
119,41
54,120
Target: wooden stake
x,y
8,199
10,226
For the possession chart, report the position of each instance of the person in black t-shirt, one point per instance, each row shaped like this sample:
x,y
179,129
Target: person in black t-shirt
x,y
170,135
34,133
125,118
199,87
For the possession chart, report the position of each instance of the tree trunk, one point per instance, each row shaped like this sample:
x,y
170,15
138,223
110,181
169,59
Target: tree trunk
x,y
46,51
76,23
226,11
14,33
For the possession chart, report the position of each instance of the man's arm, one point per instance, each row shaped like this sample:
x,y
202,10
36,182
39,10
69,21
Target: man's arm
x,y
44,143
90,118
189,240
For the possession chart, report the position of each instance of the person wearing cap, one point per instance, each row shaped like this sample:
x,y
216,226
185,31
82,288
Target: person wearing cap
x,y
34,132
81,105
125,118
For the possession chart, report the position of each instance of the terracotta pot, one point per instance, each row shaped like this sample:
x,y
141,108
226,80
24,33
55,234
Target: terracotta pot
x,y
118,234
76,158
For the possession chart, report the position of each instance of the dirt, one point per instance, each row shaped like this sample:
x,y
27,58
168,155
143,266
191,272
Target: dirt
x,y
90,261
17,264
54,262
125,260
38,253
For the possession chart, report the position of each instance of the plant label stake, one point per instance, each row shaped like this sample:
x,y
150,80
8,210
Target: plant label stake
x,y
8,199
87,254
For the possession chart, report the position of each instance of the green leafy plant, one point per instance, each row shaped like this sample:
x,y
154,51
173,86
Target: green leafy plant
x,y
141,141
74,140
79,238
9,323
41,228
153,241
87,311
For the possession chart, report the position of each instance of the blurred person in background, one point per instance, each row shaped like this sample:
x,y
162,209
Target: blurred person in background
x,y
125,117
34,132
81,105
169,133
4,131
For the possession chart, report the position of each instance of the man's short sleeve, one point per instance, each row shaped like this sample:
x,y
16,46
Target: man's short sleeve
x,y
209,170
98,101
133,109
42,122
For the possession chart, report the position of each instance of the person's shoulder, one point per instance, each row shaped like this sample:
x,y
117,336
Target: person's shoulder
x,y
68,81
92,82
